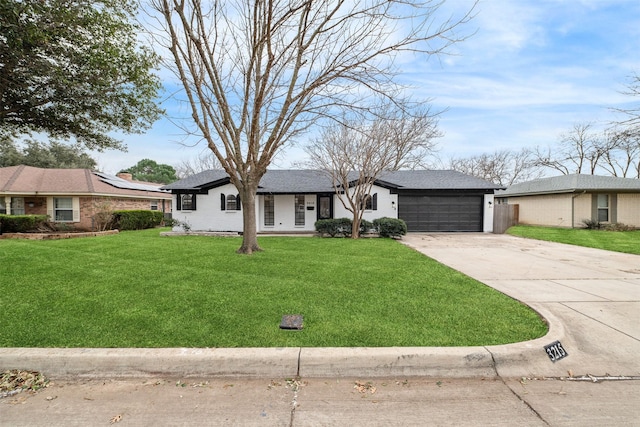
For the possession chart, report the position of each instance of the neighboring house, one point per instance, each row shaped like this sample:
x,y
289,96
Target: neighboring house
x,y
293,200
569,200
75,196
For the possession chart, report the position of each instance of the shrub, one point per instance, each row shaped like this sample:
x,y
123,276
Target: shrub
x,y
21,223
618,226
103,217
136,220
366,226
334,227
591,224
390,227
344,226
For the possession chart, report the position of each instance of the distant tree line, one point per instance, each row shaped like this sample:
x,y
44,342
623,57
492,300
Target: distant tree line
x,y
38,154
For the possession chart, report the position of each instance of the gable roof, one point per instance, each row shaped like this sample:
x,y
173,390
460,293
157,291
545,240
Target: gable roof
x,y
28,180
572,184
316,181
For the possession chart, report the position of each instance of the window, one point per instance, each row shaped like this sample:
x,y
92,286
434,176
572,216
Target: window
x,y
187,202
230,202
298,204
603,208
17,206
154,205
3,206
63,209
371,202
269,210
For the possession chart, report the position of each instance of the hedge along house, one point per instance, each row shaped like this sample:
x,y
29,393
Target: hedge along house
x,y
75,197
293,200
570,200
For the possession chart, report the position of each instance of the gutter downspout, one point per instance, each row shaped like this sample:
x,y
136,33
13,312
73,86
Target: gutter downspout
x,y
573,208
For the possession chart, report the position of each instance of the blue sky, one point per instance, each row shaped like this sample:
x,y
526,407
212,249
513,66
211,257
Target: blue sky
x,y
532,69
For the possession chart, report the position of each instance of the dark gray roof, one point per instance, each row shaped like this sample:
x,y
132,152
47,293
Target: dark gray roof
x,y
572,184
199,180
436,180
316,181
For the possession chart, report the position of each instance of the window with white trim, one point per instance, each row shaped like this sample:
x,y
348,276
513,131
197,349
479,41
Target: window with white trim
x,y
603,208
17,206
63,209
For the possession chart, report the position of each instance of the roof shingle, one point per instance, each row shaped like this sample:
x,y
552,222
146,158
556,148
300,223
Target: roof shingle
x,y
31,180
316,181
571,184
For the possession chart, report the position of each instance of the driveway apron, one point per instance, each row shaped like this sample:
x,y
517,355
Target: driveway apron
x,y
590,297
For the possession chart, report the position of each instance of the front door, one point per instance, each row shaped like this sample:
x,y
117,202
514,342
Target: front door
x,y
325,206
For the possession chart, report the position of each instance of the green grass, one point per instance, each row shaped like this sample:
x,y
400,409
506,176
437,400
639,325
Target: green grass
x,y
139,289
618,241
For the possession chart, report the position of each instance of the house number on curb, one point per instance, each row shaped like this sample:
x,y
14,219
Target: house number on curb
x,y
555,351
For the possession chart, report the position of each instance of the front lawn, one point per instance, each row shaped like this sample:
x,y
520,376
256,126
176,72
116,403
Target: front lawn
x,y
139,289
617,241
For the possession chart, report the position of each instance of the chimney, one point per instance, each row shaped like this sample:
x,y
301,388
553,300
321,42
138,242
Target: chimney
x,y
125,176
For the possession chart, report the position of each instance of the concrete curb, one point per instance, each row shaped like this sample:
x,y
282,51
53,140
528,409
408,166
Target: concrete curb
x,y
509,360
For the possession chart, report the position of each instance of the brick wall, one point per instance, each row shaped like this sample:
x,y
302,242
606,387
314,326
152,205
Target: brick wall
x,y
92,206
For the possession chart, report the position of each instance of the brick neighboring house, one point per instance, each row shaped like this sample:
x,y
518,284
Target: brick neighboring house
x,y
75,196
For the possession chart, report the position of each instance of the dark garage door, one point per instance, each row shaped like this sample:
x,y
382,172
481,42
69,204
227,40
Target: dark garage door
x,y
441,213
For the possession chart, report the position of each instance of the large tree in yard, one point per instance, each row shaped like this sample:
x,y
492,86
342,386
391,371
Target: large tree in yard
x,y
259,73
355,155
74,69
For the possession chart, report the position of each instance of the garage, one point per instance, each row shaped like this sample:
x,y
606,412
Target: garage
x,y
441,212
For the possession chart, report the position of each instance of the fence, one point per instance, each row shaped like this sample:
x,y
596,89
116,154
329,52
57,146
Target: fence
x,y
504,216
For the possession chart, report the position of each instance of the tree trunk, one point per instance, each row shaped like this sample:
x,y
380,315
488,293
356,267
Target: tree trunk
x,y
249,229
355,227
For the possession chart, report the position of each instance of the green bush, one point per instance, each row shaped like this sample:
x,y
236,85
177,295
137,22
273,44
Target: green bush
x,y
334,227
341,227
366,226
136,220
390,227
21,223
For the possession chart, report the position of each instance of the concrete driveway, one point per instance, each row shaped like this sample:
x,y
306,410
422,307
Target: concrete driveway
x,y
590,297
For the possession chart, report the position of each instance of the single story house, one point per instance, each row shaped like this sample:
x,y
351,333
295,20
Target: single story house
x,y
293,200
75,196
569,200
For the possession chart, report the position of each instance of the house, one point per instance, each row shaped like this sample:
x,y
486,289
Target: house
x,y
75,196
293,200
569,200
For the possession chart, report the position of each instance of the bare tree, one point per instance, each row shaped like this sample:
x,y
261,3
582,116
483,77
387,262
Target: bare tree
x,y
259,73
578,151
354,155
615,151
632,113
504,167
205,161
622,152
